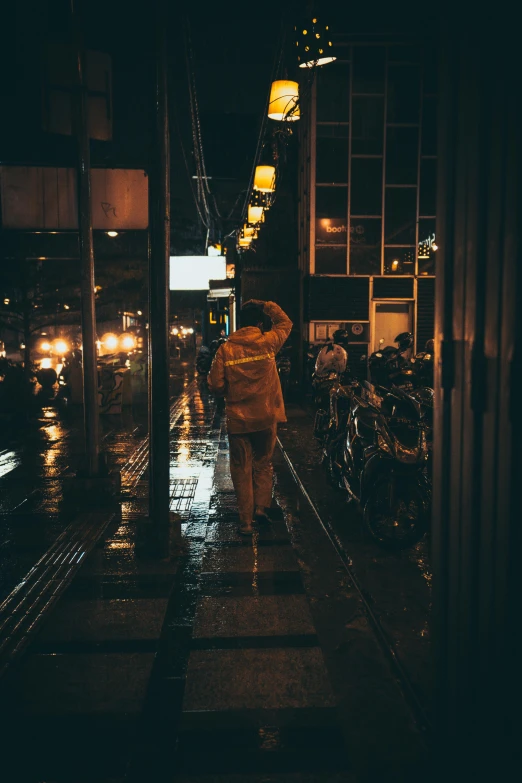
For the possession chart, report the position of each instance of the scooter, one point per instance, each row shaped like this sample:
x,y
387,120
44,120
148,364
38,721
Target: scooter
x,y
379,455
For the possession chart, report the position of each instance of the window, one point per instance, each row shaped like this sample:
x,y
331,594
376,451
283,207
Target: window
x,y
428,188
429,126
368,69
333,93
367,125
402,156
400,216
331,231
331,202
366,190
403,94
399,260
330,260
365,246
332,153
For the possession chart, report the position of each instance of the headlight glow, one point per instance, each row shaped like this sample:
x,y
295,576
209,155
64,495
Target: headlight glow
x,y
61,347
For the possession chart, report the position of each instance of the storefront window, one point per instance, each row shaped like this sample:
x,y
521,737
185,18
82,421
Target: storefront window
x,y
400,216
333,93
332,153
366,190
330,260
428,187
403,94
365,246
331,202
402,156
429,126
368,69
399,260
368,123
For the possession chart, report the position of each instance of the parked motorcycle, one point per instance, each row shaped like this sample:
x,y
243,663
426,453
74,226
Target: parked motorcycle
x,y
284,368
377,452
389,367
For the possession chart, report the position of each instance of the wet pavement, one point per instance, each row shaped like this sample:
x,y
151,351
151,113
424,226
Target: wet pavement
x,y
233,661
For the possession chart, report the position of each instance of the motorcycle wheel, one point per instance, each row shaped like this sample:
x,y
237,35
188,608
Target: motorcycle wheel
x,y
396,516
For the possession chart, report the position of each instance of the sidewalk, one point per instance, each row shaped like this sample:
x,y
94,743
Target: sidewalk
x,y
239,661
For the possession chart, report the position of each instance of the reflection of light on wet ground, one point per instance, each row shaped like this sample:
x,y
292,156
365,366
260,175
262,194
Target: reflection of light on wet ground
x,y
49,413
9,460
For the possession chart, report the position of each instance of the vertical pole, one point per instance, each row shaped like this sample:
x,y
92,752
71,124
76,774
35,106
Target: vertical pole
x,y
159,413
90,375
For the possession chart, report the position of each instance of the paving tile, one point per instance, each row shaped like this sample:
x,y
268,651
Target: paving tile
x,y
104,620
83,684
249,559
253,616
257,679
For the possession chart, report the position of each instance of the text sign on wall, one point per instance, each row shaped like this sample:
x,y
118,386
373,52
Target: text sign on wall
x,y
330,231
39,197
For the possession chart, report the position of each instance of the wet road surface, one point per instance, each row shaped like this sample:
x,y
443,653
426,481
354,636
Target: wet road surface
x,y
235,661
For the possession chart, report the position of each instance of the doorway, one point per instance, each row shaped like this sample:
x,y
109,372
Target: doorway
x,y
389,320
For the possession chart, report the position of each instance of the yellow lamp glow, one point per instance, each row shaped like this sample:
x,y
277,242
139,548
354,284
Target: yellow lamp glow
x,y
60,346
110,341
284,101
264,179
45,346
245,241
45,364
128,343
249,231
255,214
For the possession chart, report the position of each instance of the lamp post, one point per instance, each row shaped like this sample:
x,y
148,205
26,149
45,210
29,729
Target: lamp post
x,y
90,373
159,407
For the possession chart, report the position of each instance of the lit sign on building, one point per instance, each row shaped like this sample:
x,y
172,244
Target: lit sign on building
x,y
194,273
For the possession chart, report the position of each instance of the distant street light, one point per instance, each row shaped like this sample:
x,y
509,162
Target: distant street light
x,y
112,233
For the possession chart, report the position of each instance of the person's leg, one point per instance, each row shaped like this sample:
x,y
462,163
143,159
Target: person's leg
x,y
241,474
263,443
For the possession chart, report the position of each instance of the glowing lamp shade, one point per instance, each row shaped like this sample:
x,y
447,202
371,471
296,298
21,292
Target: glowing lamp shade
x,y
264,179
284,101
245,241
314,44
248,232
60,346
255,215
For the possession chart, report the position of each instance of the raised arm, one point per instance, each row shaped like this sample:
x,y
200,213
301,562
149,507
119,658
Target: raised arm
x,y
281,326
216,376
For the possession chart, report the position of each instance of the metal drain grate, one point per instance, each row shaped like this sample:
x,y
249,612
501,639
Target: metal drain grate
x,y
182,493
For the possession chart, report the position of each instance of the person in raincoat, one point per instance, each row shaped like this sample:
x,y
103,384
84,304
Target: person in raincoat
x,y
244,372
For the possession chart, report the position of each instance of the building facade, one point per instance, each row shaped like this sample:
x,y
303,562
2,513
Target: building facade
x,y
367,195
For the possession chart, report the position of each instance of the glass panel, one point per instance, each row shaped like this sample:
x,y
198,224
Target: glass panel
x,y
332,153
368,69
402,156
333,93
365,246
430,70
399,260
400,216
330,260
366,191
331,202
404,54
330,231
426,257
428,187
367,125
429,126
403,93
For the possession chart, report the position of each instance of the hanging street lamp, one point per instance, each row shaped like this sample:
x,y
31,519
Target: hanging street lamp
x,y
260,199
255,215
264,179
314,45
284,101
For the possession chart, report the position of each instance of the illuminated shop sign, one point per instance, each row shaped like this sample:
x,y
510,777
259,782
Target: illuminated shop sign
x,y
331,231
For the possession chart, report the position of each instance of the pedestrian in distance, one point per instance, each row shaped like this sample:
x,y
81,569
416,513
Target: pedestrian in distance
x,y
244,372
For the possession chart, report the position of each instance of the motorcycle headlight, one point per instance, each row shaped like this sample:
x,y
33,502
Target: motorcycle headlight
x,y
384,445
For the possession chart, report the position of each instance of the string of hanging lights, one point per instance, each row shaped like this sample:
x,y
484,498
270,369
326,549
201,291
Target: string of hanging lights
x,y
285,99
